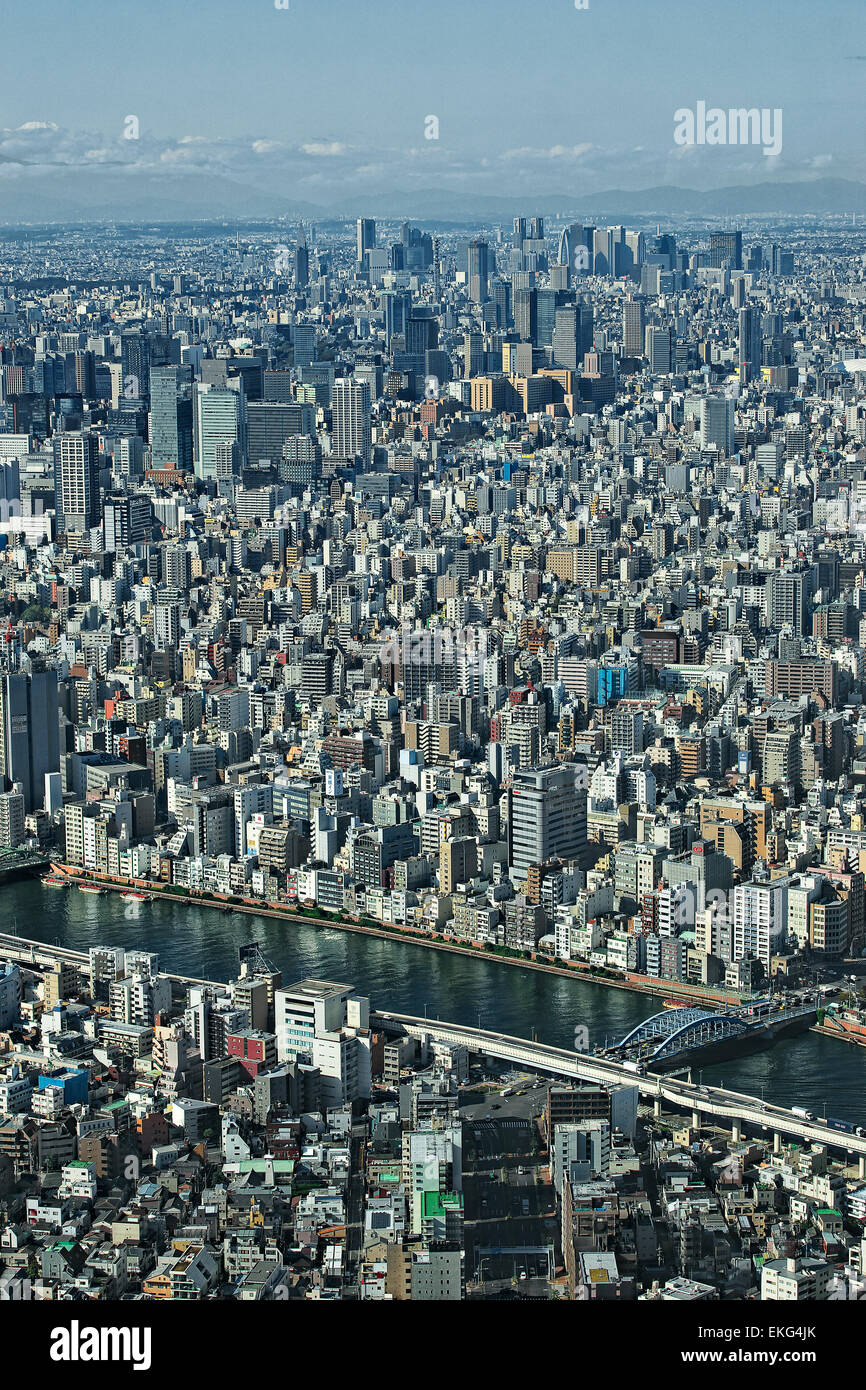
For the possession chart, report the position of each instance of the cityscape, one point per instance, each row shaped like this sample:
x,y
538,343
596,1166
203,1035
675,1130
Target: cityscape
x,y
433,744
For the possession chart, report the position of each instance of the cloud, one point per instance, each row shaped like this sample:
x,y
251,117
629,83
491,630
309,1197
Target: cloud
x,y
320,168
325,149
527,152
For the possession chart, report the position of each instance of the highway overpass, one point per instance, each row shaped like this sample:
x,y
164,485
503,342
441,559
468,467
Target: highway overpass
x,y
707,1102
732,1108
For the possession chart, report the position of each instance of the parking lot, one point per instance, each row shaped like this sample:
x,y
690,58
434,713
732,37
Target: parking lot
x,y
509,1200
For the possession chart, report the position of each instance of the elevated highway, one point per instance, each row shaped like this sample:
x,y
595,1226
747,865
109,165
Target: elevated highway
x,y
731,1108
711,1102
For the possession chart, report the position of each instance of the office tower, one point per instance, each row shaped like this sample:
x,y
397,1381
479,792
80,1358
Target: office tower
x,y
29,736
633,327
750,343
396,305
317,676
518,233
547,302
526,315
351,414
618,256
479,270
220,418
325,1024
546,817
437,271
304,340
135,364
126,520
726,249
366,236
76,480
717,424
473,354
171,418
128,460
566,338
636,244
501,294
657,349
270,424
781,262
536,229
786,596
302,262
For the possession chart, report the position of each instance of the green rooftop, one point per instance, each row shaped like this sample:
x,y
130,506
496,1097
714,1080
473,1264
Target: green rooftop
x,y
439,1203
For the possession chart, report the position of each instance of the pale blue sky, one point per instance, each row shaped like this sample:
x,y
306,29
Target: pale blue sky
x,y
330,96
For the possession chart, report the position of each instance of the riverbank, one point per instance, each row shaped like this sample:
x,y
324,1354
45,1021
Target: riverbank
x,y
662,989
858,1039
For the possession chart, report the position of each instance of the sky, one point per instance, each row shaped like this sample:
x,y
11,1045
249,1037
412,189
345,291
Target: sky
x,y
331,99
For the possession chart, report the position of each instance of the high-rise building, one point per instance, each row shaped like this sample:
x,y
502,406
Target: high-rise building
x,y
546,817
76,480
566,337
717,424
351,416
787,600
135,364
302,262
750,343
171,417
657,348
633,327
11,819
366,236
480,268
220,418
726,249
29,733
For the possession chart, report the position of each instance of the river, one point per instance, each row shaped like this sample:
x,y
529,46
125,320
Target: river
x,y
817,1072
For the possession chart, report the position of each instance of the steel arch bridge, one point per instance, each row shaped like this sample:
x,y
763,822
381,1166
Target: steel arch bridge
x,y
677,1030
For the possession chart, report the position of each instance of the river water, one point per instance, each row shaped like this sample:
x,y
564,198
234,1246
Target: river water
x,y
822,1074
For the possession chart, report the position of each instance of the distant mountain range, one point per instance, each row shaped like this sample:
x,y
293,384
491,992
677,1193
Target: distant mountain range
x,y
97,196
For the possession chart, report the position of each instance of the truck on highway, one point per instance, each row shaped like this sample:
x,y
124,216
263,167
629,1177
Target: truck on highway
x,y
634,1066
804,1114
847,1128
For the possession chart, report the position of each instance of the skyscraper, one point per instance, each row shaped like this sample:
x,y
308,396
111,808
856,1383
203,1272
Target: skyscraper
x,y
566,337
366,236
717,424
750,343
479,270
220,418
76,480
302,262
633,326
657,348
726,248
135,364
171,417
29,735
350,410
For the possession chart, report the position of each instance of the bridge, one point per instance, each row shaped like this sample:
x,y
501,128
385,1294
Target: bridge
x,y
21,861
673,1031
731,1108
40,955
